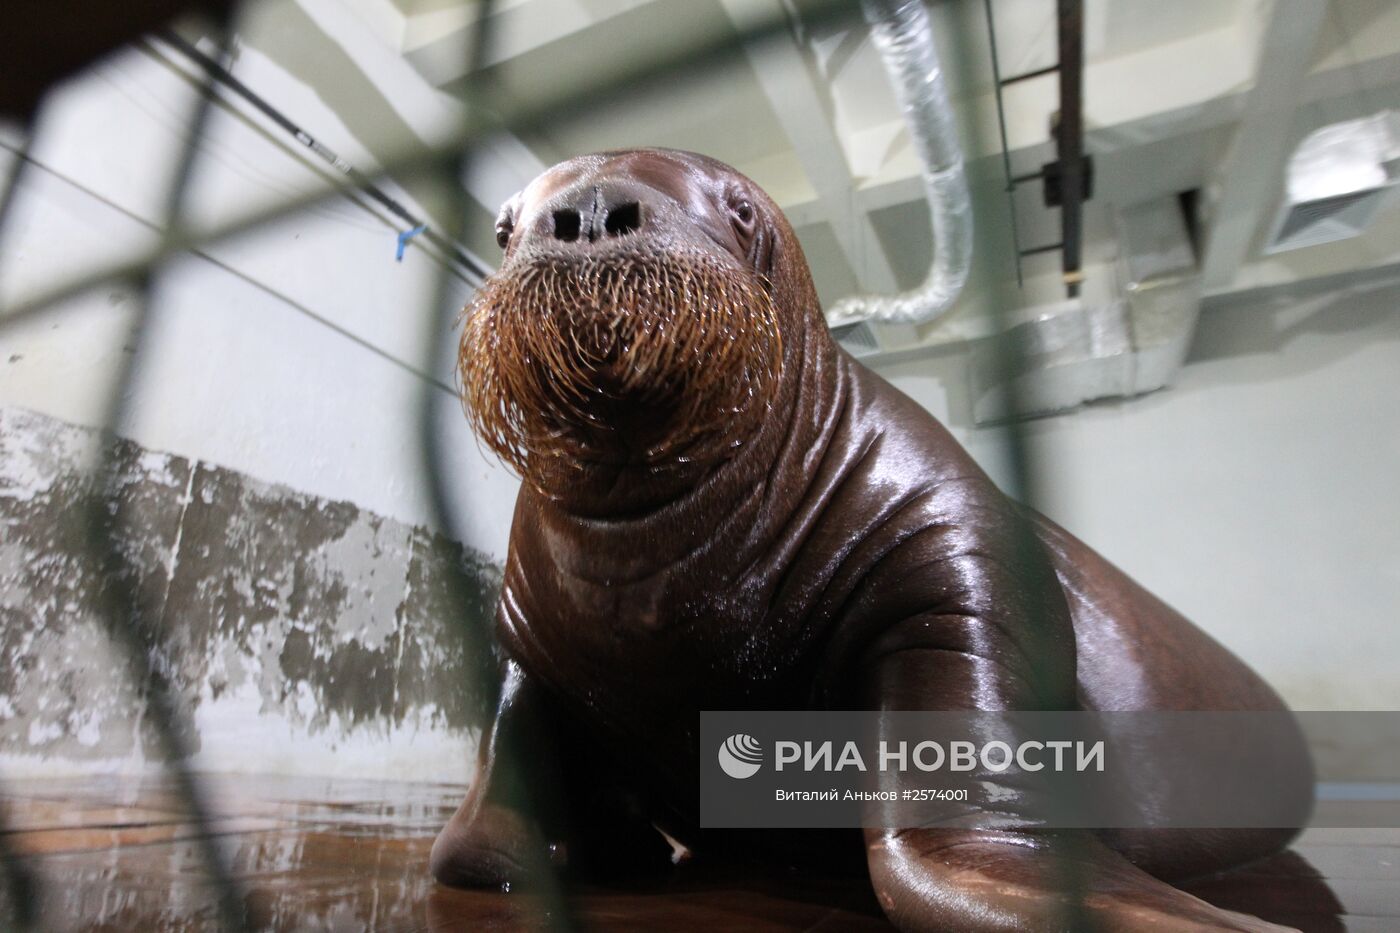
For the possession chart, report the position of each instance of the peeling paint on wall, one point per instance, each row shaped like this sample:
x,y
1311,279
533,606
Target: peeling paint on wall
x,y
281,617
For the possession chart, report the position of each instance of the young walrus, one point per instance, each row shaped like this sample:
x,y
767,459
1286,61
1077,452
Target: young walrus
x,y
721,509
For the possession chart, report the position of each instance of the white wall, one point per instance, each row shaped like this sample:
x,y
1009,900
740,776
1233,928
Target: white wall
x,y
237,371
1258,495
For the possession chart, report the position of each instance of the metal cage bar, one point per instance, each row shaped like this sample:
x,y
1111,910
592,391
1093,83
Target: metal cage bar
x,y
130,627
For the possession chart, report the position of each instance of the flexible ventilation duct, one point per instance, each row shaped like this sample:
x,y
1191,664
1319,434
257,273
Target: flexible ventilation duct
x,y
903,36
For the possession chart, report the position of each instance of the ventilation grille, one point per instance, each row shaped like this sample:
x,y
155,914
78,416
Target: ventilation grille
x,y
1326,220
857,338
1337,178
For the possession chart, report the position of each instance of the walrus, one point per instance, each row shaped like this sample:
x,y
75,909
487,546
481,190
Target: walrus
x,y
722,509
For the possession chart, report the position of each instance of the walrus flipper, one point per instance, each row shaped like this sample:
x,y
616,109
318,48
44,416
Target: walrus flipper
x,y
495,838
953,878
527,813
967,879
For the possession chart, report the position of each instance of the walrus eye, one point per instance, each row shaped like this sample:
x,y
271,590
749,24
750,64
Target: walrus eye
x,y
504,228
742,214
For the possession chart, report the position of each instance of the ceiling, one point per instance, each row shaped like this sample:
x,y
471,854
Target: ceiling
x,y
809,113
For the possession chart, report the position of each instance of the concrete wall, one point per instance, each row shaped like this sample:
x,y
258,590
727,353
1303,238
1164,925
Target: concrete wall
x,y
297,634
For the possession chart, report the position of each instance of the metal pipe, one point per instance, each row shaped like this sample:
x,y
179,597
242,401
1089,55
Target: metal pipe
x,y
103,523
223,76
1005,148
1069,140
903,35
1028,75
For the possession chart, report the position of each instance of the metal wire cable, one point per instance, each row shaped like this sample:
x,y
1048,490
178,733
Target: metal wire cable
x,y
122,601
23,887
473,631
252,171
564,102
368,345
362,182
14,182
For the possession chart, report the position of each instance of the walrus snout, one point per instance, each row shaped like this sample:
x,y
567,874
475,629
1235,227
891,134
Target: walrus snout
x,y
606,205
631,320
595,214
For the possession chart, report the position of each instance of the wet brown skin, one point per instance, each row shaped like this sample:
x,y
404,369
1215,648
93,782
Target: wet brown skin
x,y
843,552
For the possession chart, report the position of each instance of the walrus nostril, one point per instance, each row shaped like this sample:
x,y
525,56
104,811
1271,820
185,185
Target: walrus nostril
x,y
623,219
566,225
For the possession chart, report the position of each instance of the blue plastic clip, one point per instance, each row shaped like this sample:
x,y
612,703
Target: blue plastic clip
x,y
404,238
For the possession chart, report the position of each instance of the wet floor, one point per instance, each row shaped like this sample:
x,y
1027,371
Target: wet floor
x,y
112,854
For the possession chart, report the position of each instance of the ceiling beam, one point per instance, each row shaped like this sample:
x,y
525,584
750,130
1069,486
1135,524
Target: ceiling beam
x,y
500,166
436,42
801,108
504,164
1249,177
1122,139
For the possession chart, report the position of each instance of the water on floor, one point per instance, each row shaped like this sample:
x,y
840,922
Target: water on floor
x,y
113,854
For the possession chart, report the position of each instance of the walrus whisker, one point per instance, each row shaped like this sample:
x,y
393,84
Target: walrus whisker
x,y
544,344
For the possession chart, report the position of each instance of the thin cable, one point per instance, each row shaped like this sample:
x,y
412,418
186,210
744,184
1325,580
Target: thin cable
x,y
475,631
1005,147
263,287
253,171
13,183
22,883
428,242
357,178
522,117
12,188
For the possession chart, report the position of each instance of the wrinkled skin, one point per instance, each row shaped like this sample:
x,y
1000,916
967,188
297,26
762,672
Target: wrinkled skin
x,y
846,553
